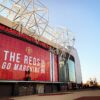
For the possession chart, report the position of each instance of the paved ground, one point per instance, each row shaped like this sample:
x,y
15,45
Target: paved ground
x,y
79,95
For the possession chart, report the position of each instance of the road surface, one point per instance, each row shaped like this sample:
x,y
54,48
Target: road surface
x,y
74,95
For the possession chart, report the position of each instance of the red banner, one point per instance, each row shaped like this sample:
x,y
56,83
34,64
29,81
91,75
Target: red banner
x,y
17,57
55,68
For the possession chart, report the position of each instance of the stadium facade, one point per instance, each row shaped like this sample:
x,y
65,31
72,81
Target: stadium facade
x,y
28,66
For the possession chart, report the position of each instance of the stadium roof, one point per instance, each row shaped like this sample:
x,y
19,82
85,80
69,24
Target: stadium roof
x,y
31,17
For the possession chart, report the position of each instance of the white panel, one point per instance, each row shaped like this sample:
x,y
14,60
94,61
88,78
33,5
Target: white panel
x,y
52,67
77,66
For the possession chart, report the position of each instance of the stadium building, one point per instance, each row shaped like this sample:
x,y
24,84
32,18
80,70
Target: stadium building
x,y
31,63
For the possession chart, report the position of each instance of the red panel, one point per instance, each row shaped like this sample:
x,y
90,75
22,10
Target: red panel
x,y
55,68
17,56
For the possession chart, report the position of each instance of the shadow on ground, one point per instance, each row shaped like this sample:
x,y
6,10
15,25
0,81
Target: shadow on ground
x,y
6,99
89,98
50,94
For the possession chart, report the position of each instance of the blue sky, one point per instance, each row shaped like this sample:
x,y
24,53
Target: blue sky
x,y
82,17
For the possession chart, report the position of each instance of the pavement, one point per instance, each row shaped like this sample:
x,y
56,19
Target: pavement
x,y
73,95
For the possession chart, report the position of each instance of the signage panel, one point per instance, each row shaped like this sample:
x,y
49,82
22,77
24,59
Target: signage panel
x,y
18,57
